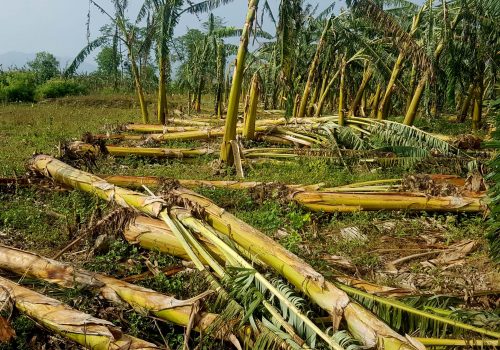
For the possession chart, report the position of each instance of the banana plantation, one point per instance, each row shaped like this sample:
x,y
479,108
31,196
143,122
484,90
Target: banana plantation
x,y
319,176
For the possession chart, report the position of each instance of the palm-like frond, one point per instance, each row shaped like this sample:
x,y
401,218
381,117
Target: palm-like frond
x,y
87,50
347,341
406,4
326,12
298,324
344,136
206,6
390,27
102,10
391,133
409,316
406,145
266,8
406,156
272,337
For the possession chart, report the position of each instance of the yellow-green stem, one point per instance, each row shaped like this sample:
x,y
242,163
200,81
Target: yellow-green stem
x,y
234,96
251,115
376,101
312,71
342,93
359,94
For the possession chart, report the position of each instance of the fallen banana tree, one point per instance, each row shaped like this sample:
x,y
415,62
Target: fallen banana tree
x,y
382,185
364,325
85,149
141,230
357,133
341,156
270,134
342,199
374,296
82,328
137,182
142,299
181,222
156,128
353,202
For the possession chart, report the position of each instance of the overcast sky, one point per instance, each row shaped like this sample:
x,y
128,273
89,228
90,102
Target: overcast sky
x,y
59,26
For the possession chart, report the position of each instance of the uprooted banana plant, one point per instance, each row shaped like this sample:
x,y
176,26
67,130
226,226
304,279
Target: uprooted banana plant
x,y
253,245
343,199
408,315
82,328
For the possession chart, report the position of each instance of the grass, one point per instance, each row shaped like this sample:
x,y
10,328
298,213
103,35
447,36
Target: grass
x,y
26,129
45,220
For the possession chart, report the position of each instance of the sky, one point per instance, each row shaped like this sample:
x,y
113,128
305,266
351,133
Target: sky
x,y
59,26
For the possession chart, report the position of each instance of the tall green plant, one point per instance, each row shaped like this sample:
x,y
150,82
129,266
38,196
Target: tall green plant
x,y
234,96
128,34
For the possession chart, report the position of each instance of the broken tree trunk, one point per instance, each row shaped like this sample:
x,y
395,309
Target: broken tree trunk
x,y
81,148
82,328
142,299
335,200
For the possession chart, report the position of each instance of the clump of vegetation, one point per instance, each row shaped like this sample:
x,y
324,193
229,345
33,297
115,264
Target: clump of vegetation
x,y
41,80
17,86
57,87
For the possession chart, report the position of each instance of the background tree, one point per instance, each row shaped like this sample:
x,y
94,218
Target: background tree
x,y
107,62
45,66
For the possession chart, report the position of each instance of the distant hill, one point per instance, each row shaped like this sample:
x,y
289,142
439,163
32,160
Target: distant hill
x,y
19,59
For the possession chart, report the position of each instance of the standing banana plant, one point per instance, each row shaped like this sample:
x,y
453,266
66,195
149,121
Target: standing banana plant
x,y
312,71
219,87
367,76
128,35
167,11
417,94
385,102
204,56
234,96
251,112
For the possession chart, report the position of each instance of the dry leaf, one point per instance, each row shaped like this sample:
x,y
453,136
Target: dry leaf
x,y
353,234
6,331
339,261
453,256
